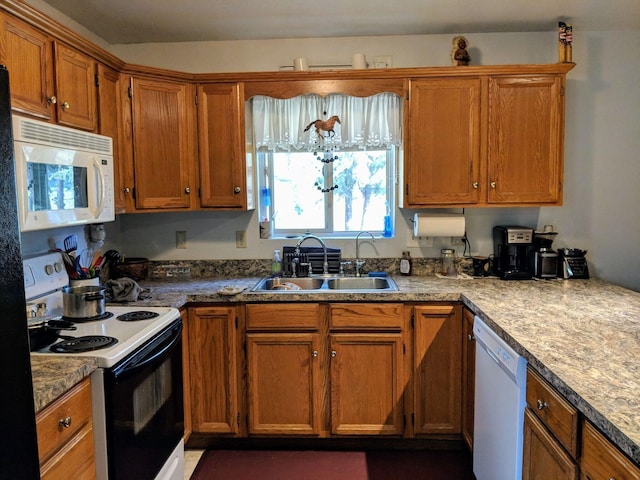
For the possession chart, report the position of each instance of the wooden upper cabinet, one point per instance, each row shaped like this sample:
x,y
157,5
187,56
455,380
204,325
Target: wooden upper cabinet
x,y
525,139
442,156
223,169
26,52
110,121
163,117
76,93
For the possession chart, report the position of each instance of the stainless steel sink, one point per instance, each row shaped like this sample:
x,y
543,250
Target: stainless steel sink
x,y
325,284
358,283
289,284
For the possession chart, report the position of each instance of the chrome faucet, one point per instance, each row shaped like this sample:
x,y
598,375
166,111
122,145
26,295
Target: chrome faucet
x,y
325,263
360,263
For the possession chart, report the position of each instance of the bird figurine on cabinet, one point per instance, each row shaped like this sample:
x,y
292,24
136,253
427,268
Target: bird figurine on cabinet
x,y
459,54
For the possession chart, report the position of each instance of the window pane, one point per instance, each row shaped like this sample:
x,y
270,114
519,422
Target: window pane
x,y
360,201
297,202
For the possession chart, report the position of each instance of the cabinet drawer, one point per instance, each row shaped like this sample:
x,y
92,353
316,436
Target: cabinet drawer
x,y
75,460
602,460
370,316
278,316
560,417
75,407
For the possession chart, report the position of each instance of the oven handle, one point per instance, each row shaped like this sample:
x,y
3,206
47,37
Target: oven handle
x,y
158,350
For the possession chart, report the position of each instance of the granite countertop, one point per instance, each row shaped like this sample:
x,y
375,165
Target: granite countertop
x,y
583,336
53,376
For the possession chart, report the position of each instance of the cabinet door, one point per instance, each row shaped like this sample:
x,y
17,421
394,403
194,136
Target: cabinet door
x,y
284,387
543,457
438,368
468,376
163,144
366,384
26,52
525,139
443,142
601,460
75,88
111,124
213,370
221,142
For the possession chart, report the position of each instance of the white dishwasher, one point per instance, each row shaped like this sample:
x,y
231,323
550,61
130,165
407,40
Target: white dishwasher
x,y
499,407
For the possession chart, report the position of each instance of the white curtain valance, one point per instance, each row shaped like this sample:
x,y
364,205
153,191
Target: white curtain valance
x,y
278,124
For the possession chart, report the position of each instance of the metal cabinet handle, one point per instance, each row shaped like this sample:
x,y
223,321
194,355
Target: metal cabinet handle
x,y
237,190
493,184
314,354
187,190
52,100
64,423
471,338
127,189
65,106
476,185
542,404
333,354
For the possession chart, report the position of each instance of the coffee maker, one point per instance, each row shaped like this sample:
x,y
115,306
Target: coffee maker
x,y
512,246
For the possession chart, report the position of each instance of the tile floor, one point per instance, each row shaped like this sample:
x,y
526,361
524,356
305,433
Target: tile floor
x,y
191,458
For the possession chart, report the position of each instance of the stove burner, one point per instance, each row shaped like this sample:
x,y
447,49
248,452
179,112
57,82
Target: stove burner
x,y
87,343
137,315
104,316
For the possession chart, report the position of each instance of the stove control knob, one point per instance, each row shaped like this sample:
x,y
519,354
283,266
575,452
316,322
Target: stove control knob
x,y
48,269
57,267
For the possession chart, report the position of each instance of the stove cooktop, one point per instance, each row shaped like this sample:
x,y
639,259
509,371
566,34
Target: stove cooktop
x,y
130,335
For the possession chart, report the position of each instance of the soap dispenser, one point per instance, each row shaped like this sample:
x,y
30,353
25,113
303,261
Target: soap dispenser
x,y
276,264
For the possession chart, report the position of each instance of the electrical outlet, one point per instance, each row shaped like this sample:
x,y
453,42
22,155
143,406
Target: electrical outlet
x,y
457,241
241,239
382,61
418,242
181,239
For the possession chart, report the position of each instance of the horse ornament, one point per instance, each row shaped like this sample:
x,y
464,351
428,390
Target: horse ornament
x,y
324,126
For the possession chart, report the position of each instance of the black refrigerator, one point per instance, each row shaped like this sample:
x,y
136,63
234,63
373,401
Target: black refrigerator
x,y
18,442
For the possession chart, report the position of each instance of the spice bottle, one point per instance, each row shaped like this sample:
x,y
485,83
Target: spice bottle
x,y
405,264
448,266
276,264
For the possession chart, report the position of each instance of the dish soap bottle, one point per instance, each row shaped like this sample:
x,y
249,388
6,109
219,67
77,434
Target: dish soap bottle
x,y
405,264
276,264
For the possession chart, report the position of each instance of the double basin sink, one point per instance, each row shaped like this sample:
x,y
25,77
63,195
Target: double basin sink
x,y
326,284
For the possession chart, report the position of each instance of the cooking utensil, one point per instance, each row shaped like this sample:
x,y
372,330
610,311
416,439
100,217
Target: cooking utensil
x,y
44,332
71,244
83,302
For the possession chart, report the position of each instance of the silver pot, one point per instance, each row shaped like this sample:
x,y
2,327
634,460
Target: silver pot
x,y
83,302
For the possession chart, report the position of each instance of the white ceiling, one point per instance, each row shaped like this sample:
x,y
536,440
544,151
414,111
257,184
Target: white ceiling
x,y
144,21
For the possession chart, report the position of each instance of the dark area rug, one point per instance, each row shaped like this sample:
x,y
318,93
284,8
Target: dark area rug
x,y
333,465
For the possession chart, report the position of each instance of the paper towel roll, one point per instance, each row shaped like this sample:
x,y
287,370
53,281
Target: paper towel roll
x,y
438,225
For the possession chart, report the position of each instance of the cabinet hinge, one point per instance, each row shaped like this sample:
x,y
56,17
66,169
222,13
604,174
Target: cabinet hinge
x,y
404,421
238,419
97,79
413,319
406,95
195,100
236,323
133,192
404,349
406,189
413,419
562,91
130,92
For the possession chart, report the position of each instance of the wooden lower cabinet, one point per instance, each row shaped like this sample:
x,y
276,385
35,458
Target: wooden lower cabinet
x,y
543,457
65,436
601,460
468,376
284,383
437,369
366,383
213,370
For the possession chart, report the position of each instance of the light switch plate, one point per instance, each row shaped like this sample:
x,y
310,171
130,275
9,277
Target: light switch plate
x,y
241,239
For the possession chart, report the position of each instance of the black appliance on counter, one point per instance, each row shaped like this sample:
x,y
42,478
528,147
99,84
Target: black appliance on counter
x,y
572,263
544,259
512,246
18,447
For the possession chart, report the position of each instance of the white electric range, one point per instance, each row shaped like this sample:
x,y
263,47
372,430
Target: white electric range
x,y
137,397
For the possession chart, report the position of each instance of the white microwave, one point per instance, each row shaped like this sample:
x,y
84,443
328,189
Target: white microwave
x,y
64,176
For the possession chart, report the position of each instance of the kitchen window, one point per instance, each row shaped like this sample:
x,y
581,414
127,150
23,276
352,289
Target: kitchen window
x,y
318,174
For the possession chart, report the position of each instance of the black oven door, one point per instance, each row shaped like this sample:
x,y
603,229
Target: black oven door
x,y
143,407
